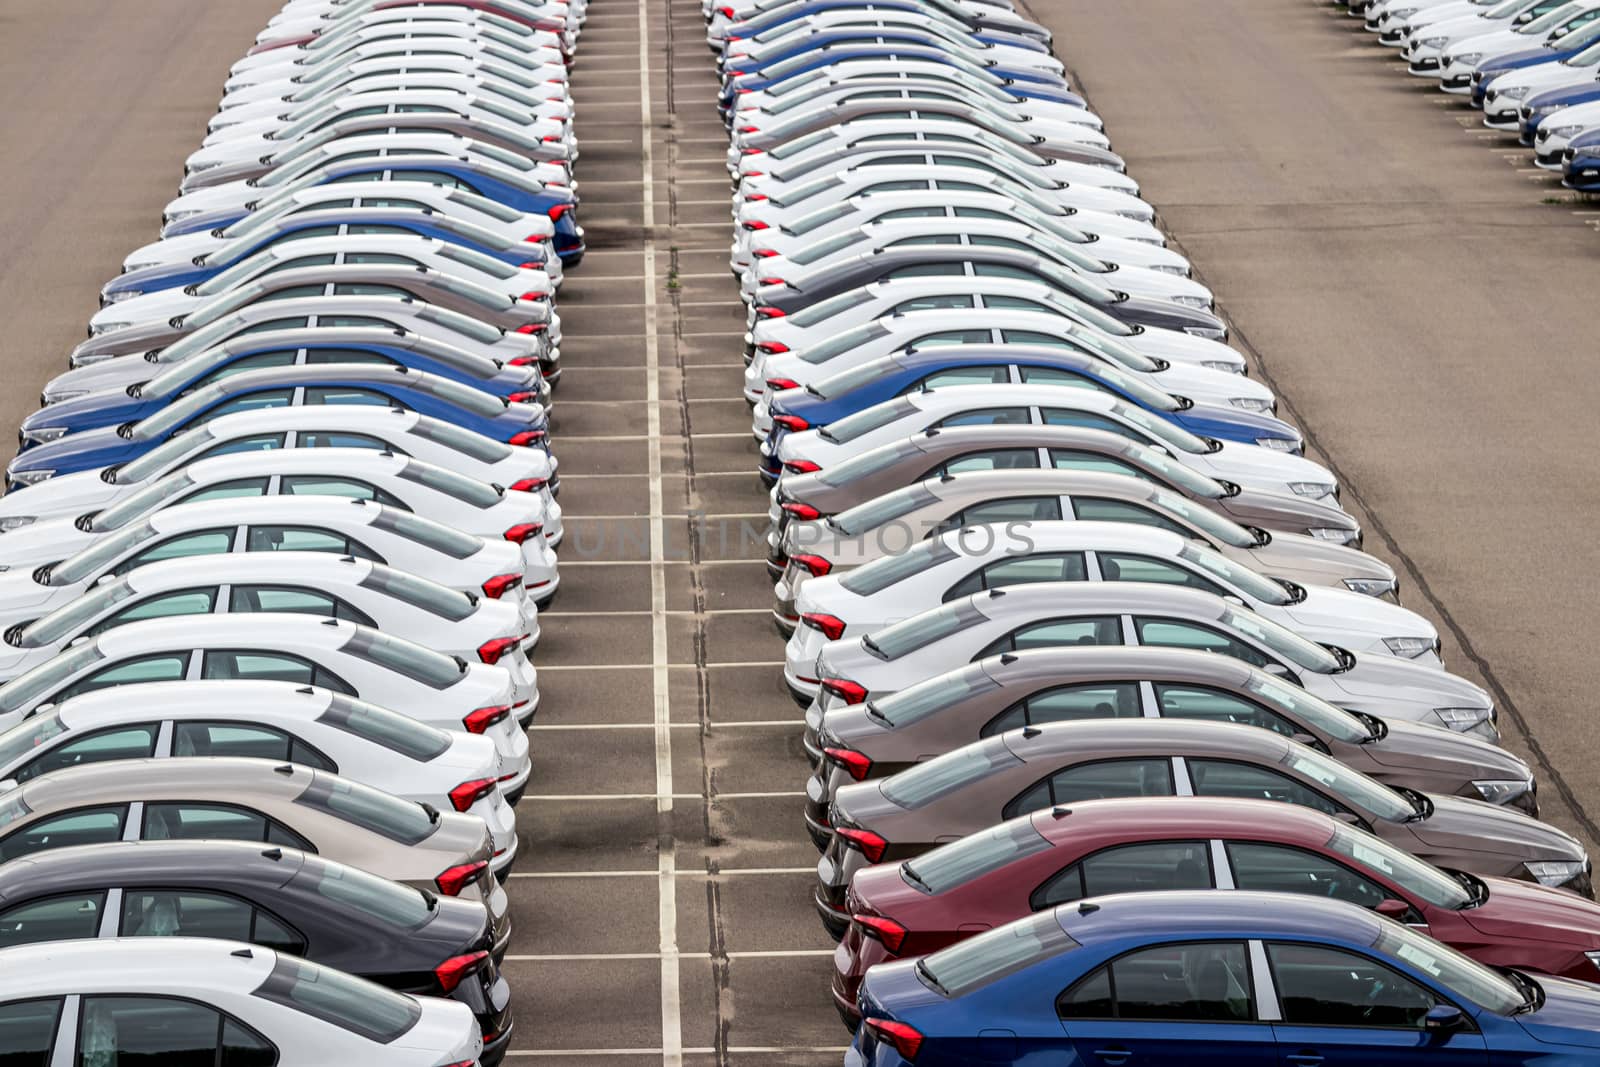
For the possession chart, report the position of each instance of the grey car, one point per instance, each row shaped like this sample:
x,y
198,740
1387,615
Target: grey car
x,y
893,522
1040,686
954,450
1036,767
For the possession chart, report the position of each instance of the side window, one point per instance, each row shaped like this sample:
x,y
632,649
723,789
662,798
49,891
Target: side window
x,y
200,543
969,375
1017,509
239,487
1068,459
269,598
999,242
1048,567
122,1029
1056,633
270,667
183,821
342,439
933,303
305,539
1067,703
344,394
950,337
432,177
1172,633
1141,868
987,417
994,459
1016,303
1034,337
368,289
260,442
347,355
383,258
926,270
165,606
86,826
1124,567
113,743
1089,420
1281,869
1168,983
929,212
1056,376
62,918
1320,986
902,186
328,485
1001,270
259,361
1096,781
1096,509
162,913
1224,778
28,1030
245,739
259,400
292,292
1215,705
301,261
163,667
982,213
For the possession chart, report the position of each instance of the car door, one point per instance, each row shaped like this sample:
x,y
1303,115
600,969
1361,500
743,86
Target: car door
x,y
1179,1005
66,917
1344,1009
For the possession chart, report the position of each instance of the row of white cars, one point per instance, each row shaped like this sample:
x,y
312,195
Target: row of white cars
x,y
272,560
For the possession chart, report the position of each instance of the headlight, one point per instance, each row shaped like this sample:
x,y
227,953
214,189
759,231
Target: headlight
x,y
1403,12
1137,216
1314,490
42,434
1554,872
196,168
1516,92
1210,333
1192,302
177,216
1501,790
1467,58
1332,533
1278,444
107,327
1433,42
1567,131
1222,365
1171,268
1461,719
66,394
1370,586
126,294
16,522
1250,403
1410,647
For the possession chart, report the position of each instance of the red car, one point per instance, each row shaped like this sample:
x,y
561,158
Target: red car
x,y
1054,856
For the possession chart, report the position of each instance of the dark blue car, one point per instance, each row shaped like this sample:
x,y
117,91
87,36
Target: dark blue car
x,y
283,348
904,372
477,173
514,422
1580,168
1540,106
1236,979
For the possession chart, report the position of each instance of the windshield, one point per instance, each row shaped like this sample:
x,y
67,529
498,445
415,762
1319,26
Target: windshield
x,y
1240,577
886,571
241,271
974,856
840,343
827,309
927,781
1204,519
68,620
433,669
145,500
1137,390
88,563
169,453
1315,712
917,702
1410,873
1286,643
1179,474
30,687
1550,20
875,513
800,144
24,739
1168,433
1111,350
1450,969
977,961
1346,785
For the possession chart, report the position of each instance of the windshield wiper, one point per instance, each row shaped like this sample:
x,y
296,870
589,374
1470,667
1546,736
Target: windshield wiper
x,y
1263,538
1420,804
1532,993
1297,593
823,432
1377,729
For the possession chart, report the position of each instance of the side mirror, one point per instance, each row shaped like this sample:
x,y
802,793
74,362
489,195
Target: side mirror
x,y
1277,669
109,576
1237,602
1393,909
1442,1018
8,785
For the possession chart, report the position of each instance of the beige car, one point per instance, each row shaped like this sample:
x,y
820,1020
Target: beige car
x,y
256,800
890,524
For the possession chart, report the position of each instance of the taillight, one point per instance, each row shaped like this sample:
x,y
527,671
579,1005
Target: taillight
x,y
905,1039
453,880
830,626
726,12
480,719
770,313
528,437
773,348
763,253
531,295
891,933
801,466
868,843
522,531
523,396
529,485
559,210
751,151
500,584
815,565
467,794
755,224
804,512
453,970
749,129
782,383
756,196
531,327
852,761
491,651
847,691
790,422
772,281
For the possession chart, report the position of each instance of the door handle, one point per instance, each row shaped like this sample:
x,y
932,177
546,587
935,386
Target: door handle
x,y
1114,1055
1306,1058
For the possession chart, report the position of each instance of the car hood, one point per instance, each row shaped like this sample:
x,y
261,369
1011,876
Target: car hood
x,y
117,373
1325,609
1570,1014
85,449
1444,754
44,542
1307,559
21,599
1276,510
1459,826
180,249
103,408
1531,912
67,494
148,308
1375,677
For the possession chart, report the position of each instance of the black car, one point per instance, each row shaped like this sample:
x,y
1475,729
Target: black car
x,y
290,901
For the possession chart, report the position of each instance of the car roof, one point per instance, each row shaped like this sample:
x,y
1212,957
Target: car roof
x,y
1156,916
983,485
111,862
1110,598
957,397
195,967
1156,737
368,461
305,568
1084,535
1146,818
182,698
1140,662
204,778
246,630
265,510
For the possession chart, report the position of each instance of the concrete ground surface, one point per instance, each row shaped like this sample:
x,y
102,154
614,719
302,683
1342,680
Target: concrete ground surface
x,y
661,895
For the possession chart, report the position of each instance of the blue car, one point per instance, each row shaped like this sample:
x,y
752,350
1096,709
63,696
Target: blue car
x,y
477,173
1234,979
1580,169
1562,48
365,221
1540,106
904,372
282,348
513,422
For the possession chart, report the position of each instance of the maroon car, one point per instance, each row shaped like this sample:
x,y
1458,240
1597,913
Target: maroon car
x,y
1059,855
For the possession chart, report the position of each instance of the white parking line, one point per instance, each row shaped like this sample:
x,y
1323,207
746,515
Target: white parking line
x,y
565,957
722,873
715,725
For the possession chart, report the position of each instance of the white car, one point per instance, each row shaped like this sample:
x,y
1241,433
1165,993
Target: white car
x,y
725,20
405,605
1051,614
762,51
339,525
345,657
279,79
919,330
1461,57
330,17
993,556
1558,128
422,252
452,58
1502,101
1425,43
1044,404
845,216
884,299
399,754
308,167
397,430
403,25
400,482
107,1001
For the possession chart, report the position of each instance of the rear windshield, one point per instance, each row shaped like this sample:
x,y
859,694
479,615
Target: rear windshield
x,y
800,144
467,490
942,775
381,813
839,344
477,446
867,463
433,669
980,960
973,856
435,535
419,592
884,509
864,422
919,631
478,261
350,1003
880,574
820,217
827,309
389,729
819,250
915,703
388,902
